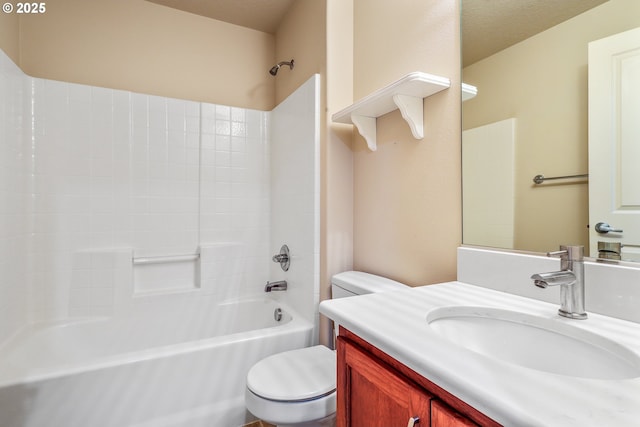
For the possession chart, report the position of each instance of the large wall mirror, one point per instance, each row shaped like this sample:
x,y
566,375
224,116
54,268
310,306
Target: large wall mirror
x,y
529,62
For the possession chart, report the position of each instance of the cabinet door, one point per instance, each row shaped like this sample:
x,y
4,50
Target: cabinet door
x,y
443,416
372,394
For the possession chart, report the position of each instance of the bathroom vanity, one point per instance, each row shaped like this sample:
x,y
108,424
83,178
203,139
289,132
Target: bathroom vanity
x,y
455,354
376,390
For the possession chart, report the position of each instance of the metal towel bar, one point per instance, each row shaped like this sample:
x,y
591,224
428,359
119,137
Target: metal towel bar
x,y
163,259
539,179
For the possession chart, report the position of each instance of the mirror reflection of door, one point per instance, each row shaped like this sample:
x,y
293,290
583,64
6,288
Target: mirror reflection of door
x,y
614,145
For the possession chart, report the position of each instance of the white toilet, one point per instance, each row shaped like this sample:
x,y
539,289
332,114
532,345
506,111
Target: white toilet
x,y
297,388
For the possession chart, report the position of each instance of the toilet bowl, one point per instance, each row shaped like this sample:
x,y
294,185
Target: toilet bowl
x,y
294,388
297,388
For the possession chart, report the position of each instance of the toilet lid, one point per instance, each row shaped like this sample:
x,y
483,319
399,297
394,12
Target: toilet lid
x,y
295,375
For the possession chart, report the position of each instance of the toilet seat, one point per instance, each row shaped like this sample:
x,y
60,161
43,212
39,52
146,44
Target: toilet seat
x,y
297,387
294,376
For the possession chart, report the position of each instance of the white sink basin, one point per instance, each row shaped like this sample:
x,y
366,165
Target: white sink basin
x,y
549,345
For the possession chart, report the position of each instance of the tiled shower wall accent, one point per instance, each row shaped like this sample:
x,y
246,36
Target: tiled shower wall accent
x,y
96,282
14,157
164,159
104,178
115,169
235,200
109,173
93,176
295,195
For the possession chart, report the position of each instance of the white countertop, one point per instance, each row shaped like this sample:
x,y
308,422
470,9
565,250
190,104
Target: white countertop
x,y
512,395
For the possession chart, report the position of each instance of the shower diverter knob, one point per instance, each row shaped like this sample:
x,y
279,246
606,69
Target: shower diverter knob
x,y
282,258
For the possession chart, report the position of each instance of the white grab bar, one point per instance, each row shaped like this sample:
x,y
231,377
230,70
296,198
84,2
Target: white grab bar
x,y
164,259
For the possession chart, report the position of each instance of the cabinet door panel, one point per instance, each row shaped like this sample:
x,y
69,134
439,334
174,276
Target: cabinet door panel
x,y
371,394
443,416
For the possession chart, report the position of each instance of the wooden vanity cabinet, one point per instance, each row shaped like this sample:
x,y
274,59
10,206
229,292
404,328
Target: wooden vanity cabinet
x,y
373,395
375,390
443,416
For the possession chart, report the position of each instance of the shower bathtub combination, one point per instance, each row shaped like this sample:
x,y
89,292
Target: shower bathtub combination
x,y
181,365
137,246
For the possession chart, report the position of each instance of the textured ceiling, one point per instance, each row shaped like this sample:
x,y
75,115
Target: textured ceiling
x,y
488,26
261,15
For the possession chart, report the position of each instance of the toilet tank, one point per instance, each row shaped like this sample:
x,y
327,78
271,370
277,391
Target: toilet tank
x,y
351,283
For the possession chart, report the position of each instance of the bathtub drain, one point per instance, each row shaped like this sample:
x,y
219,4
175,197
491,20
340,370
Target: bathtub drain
x,y
277,314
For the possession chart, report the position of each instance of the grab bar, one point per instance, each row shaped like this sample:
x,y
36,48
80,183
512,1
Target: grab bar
x,y
539,179
164,259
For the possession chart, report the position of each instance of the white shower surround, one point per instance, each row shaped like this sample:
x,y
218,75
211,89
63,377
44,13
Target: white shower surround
x,y
93,177
295,197
114,169
14,163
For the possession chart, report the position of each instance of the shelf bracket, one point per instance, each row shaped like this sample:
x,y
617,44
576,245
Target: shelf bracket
x,y
367,128
412,110
406,94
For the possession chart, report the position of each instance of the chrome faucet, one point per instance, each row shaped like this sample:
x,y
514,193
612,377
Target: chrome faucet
x,y
571,281
276,286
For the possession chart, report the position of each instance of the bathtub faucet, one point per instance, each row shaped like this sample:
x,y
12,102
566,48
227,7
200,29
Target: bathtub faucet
x,y
276,286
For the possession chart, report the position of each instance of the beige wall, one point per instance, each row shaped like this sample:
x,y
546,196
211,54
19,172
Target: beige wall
x,y
144,47
301,36
9,36
542,82
407,198
336,155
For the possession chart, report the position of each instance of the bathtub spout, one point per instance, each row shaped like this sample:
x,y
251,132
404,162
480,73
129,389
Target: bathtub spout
x,y
276,286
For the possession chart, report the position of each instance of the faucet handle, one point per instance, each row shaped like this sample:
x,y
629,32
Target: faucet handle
x,y
283,258
557,253
570,252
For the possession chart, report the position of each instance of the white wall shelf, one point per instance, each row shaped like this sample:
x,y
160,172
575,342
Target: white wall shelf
x,y
468,92
406,94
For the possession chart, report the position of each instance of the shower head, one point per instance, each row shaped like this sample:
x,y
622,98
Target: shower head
x,y
274,70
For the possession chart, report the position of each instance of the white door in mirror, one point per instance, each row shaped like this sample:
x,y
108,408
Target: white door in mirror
x,y
614,142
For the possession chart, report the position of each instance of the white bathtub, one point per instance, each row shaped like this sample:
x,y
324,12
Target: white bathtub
x,y
182,364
